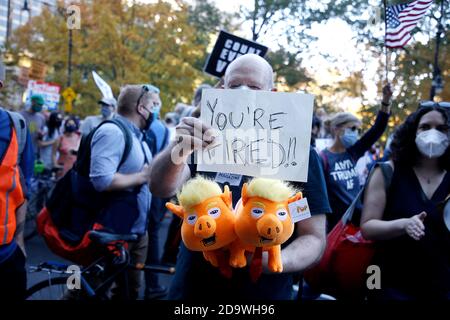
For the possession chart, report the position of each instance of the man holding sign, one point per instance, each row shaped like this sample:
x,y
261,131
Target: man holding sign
x,y
170,171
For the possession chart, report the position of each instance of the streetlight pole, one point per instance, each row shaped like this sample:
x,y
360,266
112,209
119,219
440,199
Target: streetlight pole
x,y
69,64
437,85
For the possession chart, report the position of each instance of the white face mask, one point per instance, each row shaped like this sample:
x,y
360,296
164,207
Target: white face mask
x,y
432,143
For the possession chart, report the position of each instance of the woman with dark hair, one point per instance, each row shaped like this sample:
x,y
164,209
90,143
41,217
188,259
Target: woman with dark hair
x,y
50,137
67,146
413,243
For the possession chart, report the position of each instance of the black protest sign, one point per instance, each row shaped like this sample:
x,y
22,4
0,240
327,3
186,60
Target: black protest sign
x,y
228,47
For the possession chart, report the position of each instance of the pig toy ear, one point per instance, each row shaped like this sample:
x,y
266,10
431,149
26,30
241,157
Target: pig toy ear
x,y
178,210
297,196
227,197
244,194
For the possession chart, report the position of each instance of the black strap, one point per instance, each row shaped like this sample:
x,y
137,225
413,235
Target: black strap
x,y
387,172
83,162
150,138
128,138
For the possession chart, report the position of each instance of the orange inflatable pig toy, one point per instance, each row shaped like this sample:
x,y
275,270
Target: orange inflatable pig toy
x,y
263,222
208,220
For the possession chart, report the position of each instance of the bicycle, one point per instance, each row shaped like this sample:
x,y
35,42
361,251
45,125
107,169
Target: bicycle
x,y
96,279
41,189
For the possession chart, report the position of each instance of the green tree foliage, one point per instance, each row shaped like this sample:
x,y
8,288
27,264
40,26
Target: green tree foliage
x,y
157,43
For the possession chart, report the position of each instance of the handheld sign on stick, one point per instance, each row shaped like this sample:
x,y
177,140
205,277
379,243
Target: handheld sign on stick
x,y
103,86
228,47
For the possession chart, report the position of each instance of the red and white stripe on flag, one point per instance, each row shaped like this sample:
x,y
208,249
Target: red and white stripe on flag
x,y
401,19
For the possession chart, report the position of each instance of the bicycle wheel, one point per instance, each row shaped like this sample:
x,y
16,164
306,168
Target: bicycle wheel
x,y
51,289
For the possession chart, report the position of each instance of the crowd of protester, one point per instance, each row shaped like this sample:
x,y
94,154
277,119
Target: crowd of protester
x,y
131,145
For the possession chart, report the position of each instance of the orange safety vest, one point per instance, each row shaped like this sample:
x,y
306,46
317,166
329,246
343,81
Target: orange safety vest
x,y
11,194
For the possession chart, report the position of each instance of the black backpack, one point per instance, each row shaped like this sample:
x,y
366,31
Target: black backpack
x,y
74,204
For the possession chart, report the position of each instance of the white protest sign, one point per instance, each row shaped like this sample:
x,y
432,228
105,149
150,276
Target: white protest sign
x,y
103,86
323,143
259,133
49,91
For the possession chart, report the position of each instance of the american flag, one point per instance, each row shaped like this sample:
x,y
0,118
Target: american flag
x,y
401,19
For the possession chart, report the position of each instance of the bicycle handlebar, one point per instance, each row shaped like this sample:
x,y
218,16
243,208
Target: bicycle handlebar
x,y
155,268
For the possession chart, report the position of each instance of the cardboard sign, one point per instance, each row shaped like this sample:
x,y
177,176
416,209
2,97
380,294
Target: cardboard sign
x,y
228,47
49,91
259,133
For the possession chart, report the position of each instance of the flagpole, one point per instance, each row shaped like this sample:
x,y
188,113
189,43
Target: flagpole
x,y
385,46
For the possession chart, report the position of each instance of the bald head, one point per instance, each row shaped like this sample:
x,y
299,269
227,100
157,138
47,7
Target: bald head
x,y
250,70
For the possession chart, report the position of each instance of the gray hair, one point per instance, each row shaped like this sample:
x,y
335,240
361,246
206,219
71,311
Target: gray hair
x,y
342,118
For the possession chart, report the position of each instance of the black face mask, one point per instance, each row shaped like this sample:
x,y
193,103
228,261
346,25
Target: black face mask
x,y
148,121
71,128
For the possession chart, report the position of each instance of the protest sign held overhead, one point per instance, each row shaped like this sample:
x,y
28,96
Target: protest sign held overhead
x,y
102,86
228,47
49,91
259,133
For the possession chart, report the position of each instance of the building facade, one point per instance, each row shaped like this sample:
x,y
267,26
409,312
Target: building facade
x,y
14,13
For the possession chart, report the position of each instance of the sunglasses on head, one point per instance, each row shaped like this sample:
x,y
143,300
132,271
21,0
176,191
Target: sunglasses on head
x,y
147,88
443,104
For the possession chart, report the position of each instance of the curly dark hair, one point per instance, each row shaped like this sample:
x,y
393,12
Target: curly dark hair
x,y
404,149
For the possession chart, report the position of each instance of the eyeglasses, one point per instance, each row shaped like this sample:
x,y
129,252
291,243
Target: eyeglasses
x,y
443,104
146,88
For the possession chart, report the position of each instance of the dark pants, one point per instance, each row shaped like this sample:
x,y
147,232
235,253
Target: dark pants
x,y
157,212
173,240
132,278
13,277
153,256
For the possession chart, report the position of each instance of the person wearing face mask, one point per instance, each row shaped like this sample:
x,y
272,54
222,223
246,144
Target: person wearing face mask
x,y
35,121
408,223
339,160
65,149
169,173
107,110
127,177
50,137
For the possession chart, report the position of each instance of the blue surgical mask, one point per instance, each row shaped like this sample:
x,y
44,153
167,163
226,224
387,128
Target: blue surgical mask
x,y
349,138
155,111
106,112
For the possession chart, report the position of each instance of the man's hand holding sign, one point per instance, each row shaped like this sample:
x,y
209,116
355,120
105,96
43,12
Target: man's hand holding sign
x,y
278,128
260,133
